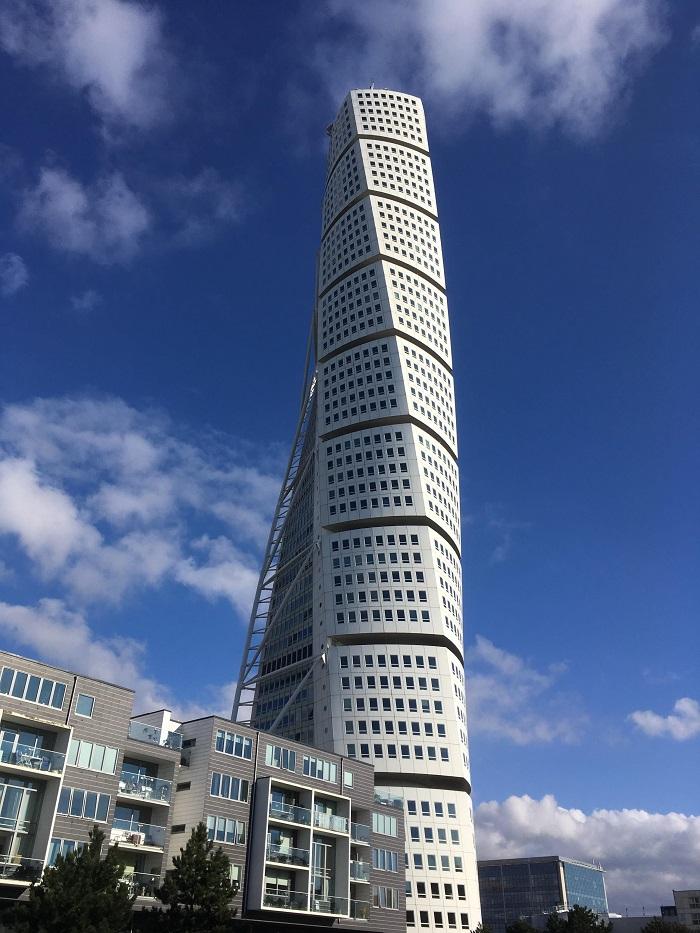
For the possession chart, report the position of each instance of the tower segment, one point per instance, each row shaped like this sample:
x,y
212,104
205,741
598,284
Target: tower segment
x,y
356,641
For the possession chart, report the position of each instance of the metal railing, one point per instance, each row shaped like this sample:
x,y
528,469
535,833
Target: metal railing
x,y
131,832
18,868
141,884
143,732
388,801
29,756
289,812
287,854
359,910
359,871
286,900
144,787
329,905
359,832
338,824
12,824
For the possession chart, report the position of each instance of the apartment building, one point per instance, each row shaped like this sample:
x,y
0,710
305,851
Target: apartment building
x,y
355,641
72,756
308,837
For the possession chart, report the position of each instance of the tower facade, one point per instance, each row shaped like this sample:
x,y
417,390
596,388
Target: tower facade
x,y
355,642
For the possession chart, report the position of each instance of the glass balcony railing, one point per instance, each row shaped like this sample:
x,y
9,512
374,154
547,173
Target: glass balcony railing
x,y
359,871
143,732
131,832
359,832
287,855
338,824
359,910
14,825
29,756
286,900
17,868
290,813
144,787
329,905
388,800
142,885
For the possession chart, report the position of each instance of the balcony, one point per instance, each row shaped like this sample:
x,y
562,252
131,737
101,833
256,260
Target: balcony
x,y
19,869
290,813
286,900
152,789
133,833
359,910
337,824
143,732
359,832
287,855
329,905
10,824
29,756
359,871
141,885
388,801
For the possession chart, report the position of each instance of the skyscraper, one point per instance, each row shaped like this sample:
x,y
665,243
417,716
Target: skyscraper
x,y
355,641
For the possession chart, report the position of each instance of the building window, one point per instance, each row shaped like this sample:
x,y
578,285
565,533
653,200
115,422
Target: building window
x,y
84,705
74,801
386,825
388,898
276,756
230,743
232,788
321,769
385,860
62,847
178,828
92,757
33,689
347,778
221,829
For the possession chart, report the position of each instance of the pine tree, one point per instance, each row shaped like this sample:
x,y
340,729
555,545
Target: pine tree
x,y
82,893
198,890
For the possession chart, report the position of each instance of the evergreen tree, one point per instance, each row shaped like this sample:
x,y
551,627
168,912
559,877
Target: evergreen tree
x,y
482,928
664,925
578,920
198,890
520,926
82,893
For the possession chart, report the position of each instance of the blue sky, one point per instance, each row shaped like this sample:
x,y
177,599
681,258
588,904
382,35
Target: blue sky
x,y
161,171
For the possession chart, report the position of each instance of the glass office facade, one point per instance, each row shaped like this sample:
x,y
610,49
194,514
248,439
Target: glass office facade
x,y
514,888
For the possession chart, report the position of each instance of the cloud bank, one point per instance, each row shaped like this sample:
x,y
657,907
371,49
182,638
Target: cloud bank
x,y
542,62
645,855
13,274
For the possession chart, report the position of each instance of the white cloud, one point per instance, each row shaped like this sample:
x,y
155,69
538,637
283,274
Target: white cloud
x,y
44,518
105,221
645,854
540,61
102,497
682,724
86,301
113,51
511,700
64,638
503,530
13,274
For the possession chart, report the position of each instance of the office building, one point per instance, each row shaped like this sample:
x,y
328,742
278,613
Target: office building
x,y
687,904
528,887
308,837
355,642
